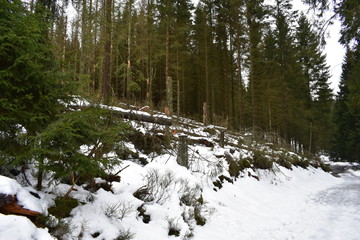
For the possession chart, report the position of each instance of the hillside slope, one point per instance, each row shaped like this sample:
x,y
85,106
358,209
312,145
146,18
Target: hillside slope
x,y
241,190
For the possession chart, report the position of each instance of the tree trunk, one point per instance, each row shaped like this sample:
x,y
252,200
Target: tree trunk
x,y
107,53
169,91
129,72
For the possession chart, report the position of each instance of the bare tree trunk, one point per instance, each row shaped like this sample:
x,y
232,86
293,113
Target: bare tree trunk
x,y
107,53
241,120
149,53
169,91
129,72
178,83
207,91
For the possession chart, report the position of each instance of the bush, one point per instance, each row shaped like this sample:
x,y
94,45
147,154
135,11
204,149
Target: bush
x,y
63,207
261,162
173,227
118,210
156,188
301,162
243,164
189,195
147,143
200,220
125,235
284,162
77,144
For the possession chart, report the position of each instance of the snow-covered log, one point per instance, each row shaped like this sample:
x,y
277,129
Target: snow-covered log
x,y
132,114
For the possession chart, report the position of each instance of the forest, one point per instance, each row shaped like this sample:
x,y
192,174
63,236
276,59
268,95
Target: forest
x,y
254,67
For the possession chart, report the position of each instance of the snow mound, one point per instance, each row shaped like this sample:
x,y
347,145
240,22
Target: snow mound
x,y
11,187
20,228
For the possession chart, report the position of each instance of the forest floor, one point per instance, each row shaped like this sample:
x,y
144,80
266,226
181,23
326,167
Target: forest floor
x,y
162,200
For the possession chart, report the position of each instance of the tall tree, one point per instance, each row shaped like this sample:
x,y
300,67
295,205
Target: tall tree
x,y
31,85
346,143
316,73
255,14
106,67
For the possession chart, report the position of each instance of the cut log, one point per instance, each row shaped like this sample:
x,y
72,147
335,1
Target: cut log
x,y
9,205
132,114
202,141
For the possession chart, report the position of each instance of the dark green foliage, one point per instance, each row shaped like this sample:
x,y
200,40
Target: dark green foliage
x,y
174,232
283,161
243,164
346,143
300,162
141,213
30,84
217,184
75,145
147,142
234,168
200,220
58,228
260,161
63,207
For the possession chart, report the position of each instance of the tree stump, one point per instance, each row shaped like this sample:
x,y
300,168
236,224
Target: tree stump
x,y
222,139
182,157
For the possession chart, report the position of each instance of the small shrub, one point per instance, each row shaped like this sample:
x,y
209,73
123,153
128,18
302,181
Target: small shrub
x,y
57,228
147,142
145,217
118,210
261,162
243,164
173,227
325,167
217,184
188,194
223,178
156,188
63,207
234,169
200,220
125,235
301,162
284,162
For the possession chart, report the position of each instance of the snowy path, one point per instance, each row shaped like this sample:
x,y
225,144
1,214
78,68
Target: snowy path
x,y
336,212
306,208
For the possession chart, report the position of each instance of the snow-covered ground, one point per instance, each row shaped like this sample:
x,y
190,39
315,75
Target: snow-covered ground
x,y
285,204
277,204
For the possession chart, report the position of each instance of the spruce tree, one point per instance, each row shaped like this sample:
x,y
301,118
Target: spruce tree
x,y
31,86
316,75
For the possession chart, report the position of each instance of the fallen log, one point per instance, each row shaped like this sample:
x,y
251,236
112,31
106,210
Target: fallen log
x,y
132,114
9,205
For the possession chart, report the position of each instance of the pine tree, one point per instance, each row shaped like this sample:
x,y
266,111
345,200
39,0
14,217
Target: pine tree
x,y
75,146
346,143
255,14
316,73
31,85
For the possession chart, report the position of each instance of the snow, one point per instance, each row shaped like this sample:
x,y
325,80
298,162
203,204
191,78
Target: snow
x,y
20,228
285,204
11,187
274,204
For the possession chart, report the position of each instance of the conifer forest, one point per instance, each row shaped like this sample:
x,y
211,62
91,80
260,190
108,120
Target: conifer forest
x,y
253,66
